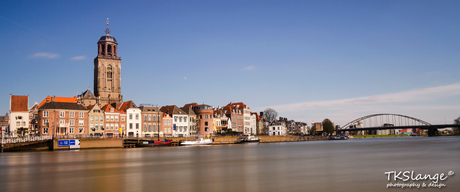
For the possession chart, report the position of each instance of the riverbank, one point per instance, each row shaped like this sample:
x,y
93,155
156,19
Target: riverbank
x,y
375,136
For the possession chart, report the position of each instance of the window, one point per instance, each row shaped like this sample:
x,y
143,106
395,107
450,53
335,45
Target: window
x,y
91,118
62,114
185,128
18,123
107,118
145,117
185,119
80,130
116,127
81,115
116,118
150,117
96,118
80,123
45,113
205,116
23,123
180,119
45,122
130,126
91,126
158,118
72,131
122,127
154,117
201,116
206,123
72,122
137,116
45,130
111,109
72,114
101,118
206,129
145,127
154,128
122,118
61,121
111,118
130,116
137,125
111,127
175,119
150,128
158,127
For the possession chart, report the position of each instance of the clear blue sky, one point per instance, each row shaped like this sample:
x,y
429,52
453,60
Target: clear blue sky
x,y
323,56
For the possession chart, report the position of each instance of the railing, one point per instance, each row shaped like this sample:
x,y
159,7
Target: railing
x,y
25,139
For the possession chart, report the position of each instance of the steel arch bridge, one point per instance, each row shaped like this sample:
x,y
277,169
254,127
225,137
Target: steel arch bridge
x,y
380,120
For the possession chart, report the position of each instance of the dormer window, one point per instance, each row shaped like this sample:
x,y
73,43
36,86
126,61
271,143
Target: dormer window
x,y
111,109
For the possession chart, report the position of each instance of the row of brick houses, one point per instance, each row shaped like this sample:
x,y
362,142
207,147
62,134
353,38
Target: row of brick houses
x,y
69,116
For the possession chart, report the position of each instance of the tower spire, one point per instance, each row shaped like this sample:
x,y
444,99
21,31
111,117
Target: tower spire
x,y
107,31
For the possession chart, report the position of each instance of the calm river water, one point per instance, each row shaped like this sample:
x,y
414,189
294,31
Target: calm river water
x,y
351,165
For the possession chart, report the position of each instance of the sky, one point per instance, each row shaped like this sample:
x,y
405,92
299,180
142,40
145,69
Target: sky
x,y
308,60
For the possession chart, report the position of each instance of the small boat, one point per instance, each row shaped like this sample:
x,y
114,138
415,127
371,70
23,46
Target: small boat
x,y
339,137
199,141
154,143
248,139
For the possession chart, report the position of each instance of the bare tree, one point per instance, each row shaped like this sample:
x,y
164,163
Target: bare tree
x,y
270,115
456,130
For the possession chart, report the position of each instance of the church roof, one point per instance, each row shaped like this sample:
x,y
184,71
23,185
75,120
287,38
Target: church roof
x,y
107,38
87,94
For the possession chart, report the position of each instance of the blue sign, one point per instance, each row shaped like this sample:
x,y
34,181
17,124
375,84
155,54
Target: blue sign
x,y
72,142
63,143
175,128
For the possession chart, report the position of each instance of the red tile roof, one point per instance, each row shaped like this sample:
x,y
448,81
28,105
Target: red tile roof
x,y
60,99
126,105
107,108
19,103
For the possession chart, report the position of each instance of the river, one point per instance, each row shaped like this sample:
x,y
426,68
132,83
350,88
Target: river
x,y
345,165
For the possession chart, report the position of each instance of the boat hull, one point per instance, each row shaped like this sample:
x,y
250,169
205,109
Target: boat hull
x,y
154,144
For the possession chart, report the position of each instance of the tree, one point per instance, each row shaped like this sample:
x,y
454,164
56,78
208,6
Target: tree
x,y
456,130
270,115
328,127
313,131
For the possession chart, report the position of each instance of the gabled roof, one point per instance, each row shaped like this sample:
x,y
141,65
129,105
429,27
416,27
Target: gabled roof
x,y
126,105
19,103
87,94
188,109
90,107
172,109
107,108
63,105
60,99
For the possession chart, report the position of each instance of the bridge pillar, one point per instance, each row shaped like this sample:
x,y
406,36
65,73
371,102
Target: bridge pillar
x,y
432,131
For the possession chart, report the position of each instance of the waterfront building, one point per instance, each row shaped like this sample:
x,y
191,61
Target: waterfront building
x,y
235,112
151,121
204,114
33,119
167,125
133,121
19,115
96,121
114,122
4,120
259,124
192,119
253,124
62,118
180,120
318,126
277,128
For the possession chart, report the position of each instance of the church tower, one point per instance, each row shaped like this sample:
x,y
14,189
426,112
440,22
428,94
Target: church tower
x,y
107,70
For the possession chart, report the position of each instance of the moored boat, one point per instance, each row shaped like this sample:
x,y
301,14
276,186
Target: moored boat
x,y
248,139
154,143
199,141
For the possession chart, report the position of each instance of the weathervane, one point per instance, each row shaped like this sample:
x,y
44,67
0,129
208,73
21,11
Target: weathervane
x,y
107,31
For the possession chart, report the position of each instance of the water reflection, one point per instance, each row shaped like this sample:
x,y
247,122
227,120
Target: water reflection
x,y
352,165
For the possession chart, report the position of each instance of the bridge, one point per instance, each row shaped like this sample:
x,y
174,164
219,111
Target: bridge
x,y
387,121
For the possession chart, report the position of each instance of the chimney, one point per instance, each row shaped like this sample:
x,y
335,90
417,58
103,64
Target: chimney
x,y
53,99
